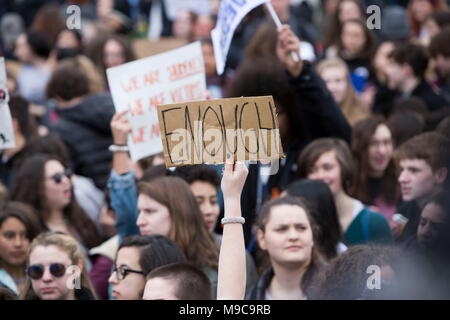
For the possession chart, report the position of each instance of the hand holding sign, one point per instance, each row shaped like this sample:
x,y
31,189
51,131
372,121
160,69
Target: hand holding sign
x,y
286,44
120,127
213,130
233,180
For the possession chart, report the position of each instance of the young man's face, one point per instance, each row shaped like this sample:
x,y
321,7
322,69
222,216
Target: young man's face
x,y
442,66
417,179
396,74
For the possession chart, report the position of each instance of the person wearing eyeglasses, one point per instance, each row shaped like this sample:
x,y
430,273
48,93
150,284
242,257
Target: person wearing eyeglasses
x,y
138,256
44,183
56,270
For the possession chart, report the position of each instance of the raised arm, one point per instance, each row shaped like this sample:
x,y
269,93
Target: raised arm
x,y
323,116
121,183
232,270
120,127
288,42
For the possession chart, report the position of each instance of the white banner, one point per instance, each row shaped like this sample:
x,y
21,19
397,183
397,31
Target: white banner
x,y
174,7
139,86
6,128
231,12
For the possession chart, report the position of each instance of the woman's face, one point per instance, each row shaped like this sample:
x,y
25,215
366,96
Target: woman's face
x,y
287,237
67,39
131,287
13,242
206,195
58,187
380,150
432,28
50,287
113,54
23,50
328,170
208,59
336,81
153,217
353,38
421,9
349,10
432,223
182,26
381,59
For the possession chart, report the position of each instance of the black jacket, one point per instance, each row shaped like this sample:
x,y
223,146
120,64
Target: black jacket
x,y
385,98
425,92
8,169
85,129
412,211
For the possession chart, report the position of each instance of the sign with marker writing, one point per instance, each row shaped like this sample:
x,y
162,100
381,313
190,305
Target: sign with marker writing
x,y
210,131
6,128
231,12
139,86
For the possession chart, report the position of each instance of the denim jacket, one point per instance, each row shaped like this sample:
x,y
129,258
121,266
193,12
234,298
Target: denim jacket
x,y
123,193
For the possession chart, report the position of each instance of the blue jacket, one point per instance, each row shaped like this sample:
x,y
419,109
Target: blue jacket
x,y
123,193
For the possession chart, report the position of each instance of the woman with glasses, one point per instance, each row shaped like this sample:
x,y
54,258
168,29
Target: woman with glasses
x,y
138,256
18,227
56,270
44,183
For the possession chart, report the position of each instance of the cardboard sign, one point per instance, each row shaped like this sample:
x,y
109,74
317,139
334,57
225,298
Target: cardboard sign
x,y
6,128
212,130
231,12
139,86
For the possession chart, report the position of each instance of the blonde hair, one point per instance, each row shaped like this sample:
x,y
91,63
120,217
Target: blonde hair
x,y
352,107
67,244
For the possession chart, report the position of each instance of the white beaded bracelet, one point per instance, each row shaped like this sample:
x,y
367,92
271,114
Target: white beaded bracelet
x,y
226,220
118,148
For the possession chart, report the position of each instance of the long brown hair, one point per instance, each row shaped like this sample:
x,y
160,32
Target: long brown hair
x,y
369,45
334,26
438,6
29,188
49,22
67,244
187,229
317,261
362,135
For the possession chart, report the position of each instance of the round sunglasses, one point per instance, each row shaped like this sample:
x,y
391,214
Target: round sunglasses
x,y
36,271
58,177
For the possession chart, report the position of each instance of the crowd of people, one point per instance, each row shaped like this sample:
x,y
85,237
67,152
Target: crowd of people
x,y
359,207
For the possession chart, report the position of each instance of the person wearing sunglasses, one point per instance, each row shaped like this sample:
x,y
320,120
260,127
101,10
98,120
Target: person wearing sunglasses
x,y
138,256
56,270
44,183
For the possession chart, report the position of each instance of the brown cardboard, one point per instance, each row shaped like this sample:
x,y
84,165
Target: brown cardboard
x,y
209,131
